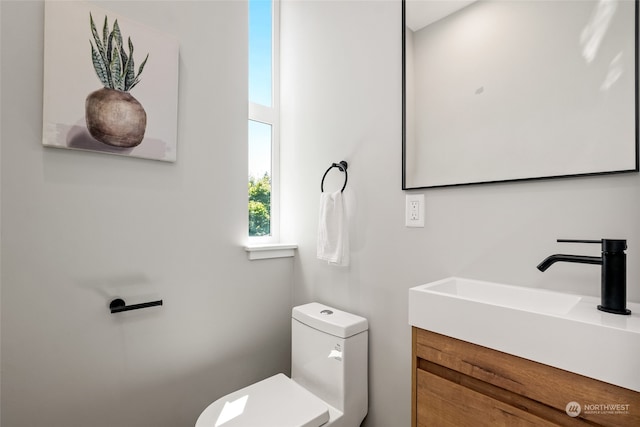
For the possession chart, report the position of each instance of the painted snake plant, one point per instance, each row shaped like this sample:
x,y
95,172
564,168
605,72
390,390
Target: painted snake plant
x,y
114,67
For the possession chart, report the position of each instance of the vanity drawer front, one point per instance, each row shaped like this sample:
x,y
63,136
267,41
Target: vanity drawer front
x,y
550,386
446,404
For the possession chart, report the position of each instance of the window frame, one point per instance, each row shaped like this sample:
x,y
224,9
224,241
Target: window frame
x,y
270,115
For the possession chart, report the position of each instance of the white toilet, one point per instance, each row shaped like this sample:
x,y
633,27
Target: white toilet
x,y
328,384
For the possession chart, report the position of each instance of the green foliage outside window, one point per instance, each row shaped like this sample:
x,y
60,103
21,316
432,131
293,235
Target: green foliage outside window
x,y
260,206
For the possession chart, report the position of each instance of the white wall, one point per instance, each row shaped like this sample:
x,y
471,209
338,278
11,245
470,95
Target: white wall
x,y
341,81
81,228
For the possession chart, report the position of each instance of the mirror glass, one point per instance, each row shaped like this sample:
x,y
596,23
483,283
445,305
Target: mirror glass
x,y
517,90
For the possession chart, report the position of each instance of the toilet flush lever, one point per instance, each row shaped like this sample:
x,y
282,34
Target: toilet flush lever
x,y
118,305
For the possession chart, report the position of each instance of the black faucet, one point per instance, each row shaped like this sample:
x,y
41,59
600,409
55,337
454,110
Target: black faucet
x,y
613,294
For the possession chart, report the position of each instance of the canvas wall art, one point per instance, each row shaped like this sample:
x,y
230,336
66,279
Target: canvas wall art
x,y
110,83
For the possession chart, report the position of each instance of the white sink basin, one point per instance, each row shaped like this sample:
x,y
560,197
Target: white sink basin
x,y
506,296
557,329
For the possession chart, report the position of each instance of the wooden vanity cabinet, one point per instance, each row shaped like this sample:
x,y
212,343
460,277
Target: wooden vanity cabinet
x,y
458,384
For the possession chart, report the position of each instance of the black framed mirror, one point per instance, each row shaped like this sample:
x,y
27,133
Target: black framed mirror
x,y
498,91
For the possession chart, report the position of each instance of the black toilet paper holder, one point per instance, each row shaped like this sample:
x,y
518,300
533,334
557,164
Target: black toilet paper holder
x,y
118,305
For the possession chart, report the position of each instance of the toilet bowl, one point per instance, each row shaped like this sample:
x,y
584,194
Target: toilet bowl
x,y
328,384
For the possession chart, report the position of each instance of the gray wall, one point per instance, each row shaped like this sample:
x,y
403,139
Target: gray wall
x,y
342,100
80,228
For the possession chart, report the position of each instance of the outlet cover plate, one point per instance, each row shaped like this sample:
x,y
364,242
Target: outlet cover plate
x,y
414,210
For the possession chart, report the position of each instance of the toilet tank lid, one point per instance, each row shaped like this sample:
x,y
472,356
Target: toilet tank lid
x,y
330,320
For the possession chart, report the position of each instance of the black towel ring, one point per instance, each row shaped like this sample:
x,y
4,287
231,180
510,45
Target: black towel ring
x,y
342,166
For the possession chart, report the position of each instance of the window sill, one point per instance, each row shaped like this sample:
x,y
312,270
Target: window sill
x,y
267,251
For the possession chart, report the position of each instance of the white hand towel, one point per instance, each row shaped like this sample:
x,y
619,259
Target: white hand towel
x,y
333,235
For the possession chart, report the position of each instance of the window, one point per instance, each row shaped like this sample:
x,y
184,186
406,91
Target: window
x,y
263,120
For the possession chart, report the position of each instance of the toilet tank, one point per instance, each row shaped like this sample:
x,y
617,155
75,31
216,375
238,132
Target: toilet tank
x,y
329,356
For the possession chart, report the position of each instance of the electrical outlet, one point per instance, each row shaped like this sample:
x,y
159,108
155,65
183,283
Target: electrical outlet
x,y
414,210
